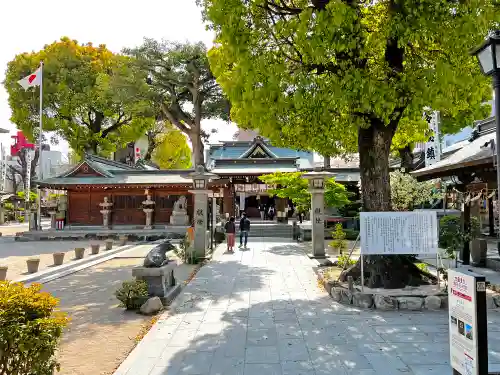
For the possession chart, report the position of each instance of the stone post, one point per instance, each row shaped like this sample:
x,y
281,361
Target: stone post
x,y
317,190
200,194
53,219
2,214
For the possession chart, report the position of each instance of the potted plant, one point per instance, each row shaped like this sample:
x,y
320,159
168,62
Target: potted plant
x,y
58,258
32,264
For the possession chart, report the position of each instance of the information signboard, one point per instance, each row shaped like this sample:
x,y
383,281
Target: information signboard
x,y
399,233
468,323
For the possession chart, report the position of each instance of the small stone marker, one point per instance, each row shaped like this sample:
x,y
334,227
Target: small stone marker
x,y
350,283
123,240
151,306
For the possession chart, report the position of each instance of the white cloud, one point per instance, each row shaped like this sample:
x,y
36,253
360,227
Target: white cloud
x,y
29,25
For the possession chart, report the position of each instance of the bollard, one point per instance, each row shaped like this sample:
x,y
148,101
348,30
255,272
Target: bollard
x,y
32,264
94,248
58,258
3,273
109,244
79,252
123,240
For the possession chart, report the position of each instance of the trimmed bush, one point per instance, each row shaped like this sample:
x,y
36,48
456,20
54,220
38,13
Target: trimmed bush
x,y
30,329
130,292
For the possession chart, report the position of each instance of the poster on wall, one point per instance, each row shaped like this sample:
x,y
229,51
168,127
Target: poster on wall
x,y
467,323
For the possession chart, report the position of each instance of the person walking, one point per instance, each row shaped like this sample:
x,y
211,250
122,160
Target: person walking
x,y
244,229
230,234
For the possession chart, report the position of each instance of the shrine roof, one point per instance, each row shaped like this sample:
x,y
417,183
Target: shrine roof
x,y
232,169
475,153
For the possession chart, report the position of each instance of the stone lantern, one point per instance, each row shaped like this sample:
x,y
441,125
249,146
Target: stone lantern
x,y
316,181
201,193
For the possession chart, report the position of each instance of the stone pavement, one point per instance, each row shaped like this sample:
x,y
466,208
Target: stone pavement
x,y
260,312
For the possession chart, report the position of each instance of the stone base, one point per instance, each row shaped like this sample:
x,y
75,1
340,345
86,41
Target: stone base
x,y
317,256
159,279
179,219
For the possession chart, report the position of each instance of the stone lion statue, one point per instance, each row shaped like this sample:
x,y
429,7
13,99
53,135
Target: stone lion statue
x,y
180,204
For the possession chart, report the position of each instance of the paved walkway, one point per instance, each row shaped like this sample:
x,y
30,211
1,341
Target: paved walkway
x,y
260,312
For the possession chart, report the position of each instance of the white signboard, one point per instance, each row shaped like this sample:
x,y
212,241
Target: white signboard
x,y
398,233
28,177
463,324
433,145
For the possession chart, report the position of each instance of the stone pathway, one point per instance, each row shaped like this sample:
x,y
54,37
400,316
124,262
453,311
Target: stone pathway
x,y
260,312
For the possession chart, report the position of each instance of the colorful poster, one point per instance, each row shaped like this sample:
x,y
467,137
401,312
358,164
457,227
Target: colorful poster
x,y
463,325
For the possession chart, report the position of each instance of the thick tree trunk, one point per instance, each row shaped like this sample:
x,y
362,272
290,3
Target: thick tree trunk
x,y
197,156
381,271
406,156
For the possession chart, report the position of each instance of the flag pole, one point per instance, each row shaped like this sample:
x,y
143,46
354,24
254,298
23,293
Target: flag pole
x,y
40,177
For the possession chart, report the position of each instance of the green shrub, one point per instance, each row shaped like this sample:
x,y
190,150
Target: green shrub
x,y
20,219
339,243
451,235
130,291
351,234
344,261
30,329
422,267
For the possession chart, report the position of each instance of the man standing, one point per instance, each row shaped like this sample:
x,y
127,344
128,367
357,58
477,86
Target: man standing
x,y
244,229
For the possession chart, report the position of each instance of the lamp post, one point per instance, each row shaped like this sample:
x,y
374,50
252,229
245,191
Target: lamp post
x,y
317,189
488,55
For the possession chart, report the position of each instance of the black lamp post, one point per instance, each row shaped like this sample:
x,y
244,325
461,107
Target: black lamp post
x,y
488,55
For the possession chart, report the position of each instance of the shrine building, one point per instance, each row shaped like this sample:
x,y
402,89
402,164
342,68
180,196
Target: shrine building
x,y
237,164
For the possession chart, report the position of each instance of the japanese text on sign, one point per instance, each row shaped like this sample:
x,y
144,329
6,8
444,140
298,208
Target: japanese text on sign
x,y
393,233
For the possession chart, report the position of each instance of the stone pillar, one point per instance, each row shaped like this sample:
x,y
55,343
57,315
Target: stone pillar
x,y
149,215
228,202
53,219
317,190
318,223
242,202
200,194
2,215
200,222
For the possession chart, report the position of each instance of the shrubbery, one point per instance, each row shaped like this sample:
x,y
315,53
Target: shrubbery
x,y
30,329
130,292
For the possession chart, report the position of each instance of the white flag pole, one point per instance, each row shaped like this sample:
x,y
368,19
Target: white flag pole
x,y
40,177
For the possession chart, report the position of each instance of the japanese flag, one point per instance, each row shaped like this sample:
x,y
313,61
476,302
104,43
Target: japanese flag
x,y
34,79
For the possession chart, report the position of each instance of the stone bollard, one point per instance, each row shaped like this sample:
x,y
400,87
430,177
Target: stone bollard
x,y
1,234
123,240
94,248
109,244
3,273
79,252
33,264
58,258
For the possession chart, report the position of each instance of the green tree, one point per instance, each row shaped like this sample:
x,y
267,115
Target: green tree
x,y
172,150
92,98
407,193
292,186
183,87
346,76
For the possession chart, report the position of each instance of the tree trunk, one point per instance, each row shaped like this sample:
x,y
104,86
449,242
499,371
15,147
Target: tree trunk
x,y
197,156
381,271
406,156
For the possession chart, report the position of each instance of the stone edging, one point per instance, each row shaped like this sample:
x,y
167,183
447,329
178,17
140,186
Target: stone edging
x,y
359,299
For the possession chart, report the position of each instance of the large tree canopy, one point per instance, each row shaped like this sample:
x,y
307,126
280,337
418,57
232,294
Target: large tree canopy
x,y
172,150
338,76
183,87
92,98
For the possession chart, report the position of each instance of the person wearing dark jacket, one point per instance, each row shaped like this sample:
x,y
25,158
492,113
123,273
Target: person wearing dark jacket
x,y
244,229
230,233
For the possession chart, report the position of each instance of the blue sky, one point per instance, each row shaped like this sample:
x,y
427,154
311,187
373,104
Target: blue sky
x,y
29,25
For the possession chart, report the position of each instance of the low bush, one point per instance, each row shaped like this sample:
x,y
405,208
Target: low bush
x,y
130,292
30,329
339,243
351,234
344,261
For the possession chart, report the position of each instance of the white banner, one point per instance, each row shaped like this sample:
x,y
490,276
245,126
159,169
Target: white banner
x,y
3,166
399,233
433,146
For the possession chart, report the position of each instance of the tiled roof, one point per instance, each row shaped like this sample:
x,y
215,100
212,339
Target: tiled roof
x,y
253,168
144,178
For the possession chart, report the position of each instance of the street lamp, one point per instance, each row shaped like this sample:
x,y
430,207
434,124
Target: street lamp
x,y
488,55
